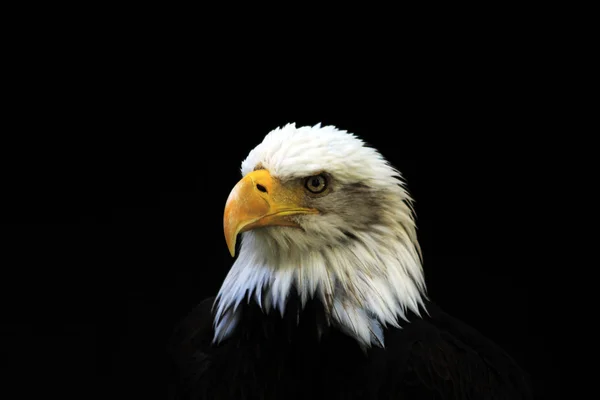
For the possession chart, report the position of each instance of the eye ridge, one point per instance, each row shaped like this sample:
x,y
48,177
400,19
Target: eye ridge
x,y
316,183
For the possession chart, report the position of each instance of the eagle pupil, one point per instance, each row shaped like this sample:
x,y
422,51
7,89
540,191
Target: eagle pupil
x,y
315,182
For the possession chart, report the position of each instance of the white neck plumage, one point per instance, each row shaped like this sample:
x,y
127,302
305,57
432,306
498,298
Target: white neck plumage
x,y
365,283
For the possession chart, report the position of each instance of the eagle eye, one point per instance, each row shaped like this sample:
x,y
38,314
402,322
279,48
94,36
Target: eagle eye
x,y
316,184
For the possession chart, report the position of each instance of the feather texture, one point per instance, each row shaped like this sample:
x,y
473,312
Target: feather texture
x,y
269,357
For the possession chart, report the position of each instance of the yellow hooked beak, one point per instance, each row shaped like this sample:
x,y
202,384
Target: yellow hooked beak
x,y
260,200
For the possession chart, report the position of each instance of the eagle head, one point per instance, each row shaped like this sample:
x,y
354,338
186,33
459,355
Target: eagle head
x,y
320,211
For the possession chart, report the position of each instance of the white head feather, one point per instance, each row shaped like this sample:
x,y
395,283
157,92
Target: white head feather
x,y
365,282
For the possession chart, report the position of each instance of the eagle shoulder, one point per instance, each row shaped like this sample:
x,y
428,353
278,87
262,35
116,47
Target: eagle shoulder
x,y
441,357
188,350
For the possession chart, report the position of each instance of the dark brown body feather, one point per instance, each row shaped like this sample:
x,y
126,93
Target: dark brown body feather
x,y
298,357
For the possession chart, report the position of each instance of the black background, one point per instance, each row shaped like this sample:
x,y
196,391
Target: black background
x,y
122,153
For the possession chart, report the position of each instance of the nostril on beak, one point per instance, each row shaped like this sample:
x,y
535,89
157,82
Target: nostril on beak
x,y
261,188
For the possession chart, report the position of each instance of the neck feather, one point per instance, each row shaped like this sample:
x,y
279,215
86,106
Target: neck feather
x,y
366,283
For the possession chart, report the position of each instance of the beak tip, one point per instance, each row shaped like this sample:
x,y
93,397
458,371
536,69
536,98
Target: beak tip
x,y
231,245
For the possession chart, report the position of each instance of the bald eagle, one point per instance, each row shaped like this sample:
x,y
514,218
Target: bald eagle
x,y
326,298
